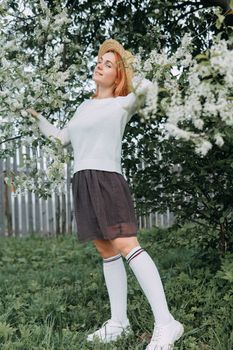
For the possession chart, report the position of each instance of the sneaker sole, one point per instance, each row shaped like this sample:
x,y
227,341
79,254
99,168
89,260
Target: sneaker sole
x,y
126,332
179,335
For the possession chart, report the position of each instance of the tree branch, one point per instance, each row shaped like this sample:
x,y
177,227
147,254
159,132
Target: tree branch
x,y
12,138
187,3
188,13
224,4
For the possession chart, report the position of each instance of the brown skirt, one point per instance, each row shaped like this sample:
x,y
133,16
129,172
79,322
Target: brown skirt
x,y
103,205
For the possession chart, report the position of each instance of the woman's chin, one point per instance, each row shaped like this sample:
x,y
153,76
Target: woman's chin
x,y
95,79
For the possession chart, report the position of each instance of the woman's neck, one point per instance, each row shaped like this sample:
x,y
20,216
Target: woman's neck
x,y
104,93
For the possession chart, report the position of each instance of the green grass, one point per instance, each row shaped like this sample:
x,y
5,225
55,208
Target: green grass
x,y
52,294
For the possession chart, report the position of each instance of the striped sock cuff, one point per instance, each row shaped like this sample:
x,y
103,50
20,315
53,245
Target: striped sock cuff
x,y
112,258
134,253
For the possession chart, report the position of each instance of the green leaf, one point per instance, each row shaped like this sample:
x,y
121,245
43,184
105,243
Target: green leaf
x,y
222,219
201,56
220,20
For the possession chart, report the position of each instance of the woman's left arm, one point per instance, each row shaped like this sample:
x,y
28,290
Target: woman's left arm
x,y
137,97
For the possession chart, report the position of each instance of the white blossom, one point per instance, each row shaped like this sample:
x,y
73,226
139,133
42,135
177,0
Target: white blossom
x,y
43,5
24,113
61,19
218,140
198,123
177,132
45,23
203,147
5,63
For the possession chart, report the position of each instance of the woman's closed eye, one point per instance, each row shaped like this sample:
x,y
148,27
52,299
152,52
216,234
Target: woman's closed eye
x,y
106,64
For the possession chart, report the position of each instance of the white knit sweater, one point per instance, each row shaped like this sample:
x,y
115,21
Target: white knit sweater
x,y
96,129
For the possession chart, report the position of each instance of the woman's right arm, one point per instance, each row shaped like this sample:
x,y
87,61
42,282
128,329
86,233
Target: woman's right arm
x,y
49,130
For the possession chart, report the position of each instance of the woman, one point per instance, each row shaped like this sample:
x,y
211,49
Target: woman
x,y
103,204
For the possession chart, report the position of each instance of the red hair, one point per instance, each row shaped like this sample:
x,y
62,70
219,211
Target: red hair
x,y
121,88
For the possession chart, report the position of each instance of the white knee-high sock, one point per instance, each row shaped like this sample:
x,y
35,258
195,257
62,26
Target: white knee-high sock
x,y
116,282
148,277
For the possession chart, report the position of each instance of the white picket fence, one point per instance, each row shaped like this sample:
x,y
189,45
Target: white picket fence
x,y
24,214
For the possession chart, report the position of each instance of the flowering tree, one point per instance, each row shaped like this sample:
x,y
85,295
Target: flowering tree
x,y
34,71
44,54
189,137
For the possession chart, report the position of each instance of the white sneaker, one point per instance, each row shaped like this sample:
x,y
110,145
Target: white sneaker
x,y
110,331
164,337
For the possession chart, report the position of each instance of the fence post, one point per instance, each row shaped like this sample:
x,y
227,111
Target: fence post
x,y
15,200
29,203
2,210
23,211
7,205
37,202
57,213
69,209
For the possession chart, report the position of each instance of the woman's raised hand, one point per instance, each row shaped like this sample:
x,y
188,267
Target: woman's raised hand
x,y
33,112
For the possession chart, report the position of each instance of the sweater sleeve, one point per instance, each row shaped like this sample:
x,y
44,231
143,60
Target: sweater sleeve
x,y
131,102
52,132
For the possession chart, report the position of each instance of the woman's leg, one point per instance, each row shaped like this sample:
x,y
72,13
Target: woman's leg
x,y
147,275
116,282
167,330
115,279
105,248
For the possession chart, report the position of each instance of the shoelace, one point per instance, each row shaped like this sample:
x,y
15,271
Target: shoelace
x,y
104,324
105,328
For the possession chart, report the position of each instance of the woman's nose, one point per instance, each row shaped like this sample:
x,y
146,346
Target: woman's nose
x,y
100,65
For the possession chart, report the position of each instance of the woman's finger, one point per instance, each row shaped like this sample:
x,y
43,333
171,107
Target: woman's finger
x,y
32,112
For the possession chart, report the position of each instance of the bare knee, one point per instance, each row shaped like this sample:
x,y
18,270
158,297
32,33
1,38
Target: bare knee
x,y
105,248
125,244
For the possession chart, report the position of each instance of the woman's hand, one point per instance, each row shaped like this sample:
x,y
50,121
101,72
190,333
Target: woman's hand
x,y
33,113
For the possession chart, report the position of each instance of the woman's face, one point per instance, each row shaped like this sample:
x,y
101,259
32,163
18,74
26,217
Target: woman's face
x,y
105,72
